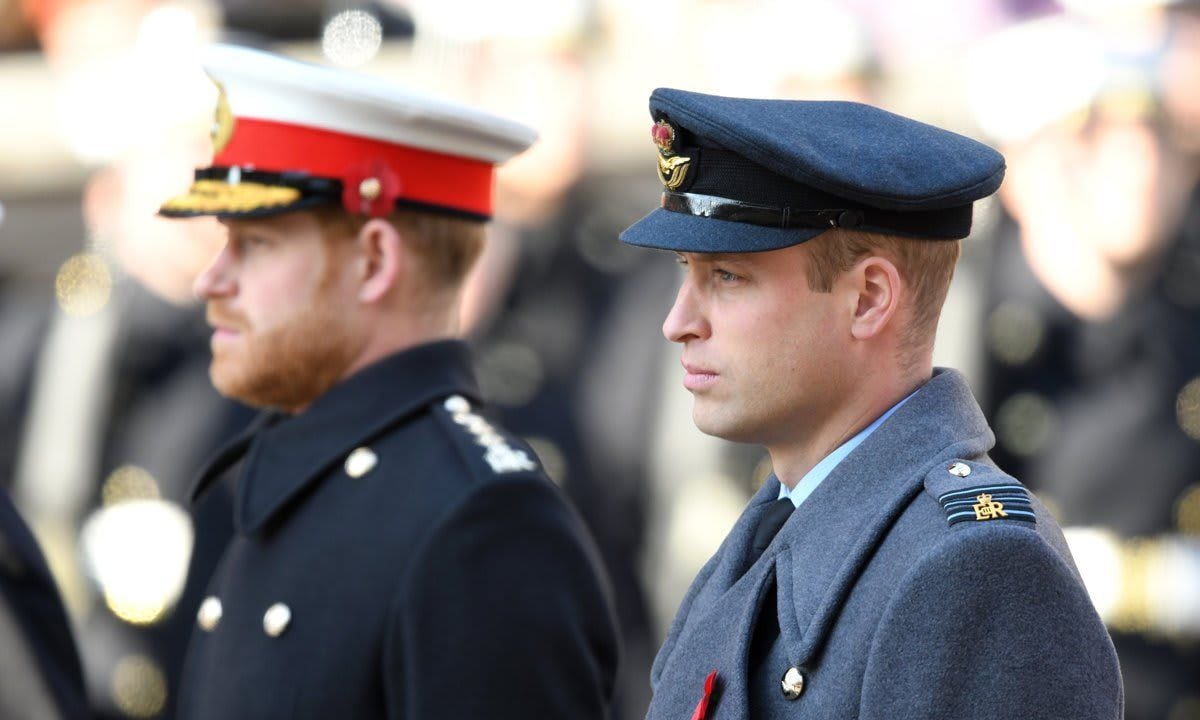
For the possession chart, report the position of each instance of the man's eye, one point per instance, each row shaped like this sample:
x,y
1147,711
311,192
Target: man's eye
x,y
249,242
725,275
681,260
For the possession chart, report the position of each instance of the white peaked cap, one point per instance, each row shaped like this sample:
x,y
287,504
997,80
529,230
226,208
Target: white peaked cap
x,y
290,135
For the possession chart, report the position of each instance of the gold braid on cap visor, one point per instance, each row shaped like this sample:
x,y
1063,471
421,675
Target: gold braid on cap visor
x,y
210,196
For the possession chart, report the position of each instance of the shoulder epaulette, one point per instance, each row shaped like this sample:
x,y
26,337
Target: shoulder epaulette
x,y
483,441
974,492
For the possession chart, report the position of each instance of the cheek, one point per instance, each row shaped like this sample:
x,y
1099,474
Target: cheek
x,y
806,340
271,299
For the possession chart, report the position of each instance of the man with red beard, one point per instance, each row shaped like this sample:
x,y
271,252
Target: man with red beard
x,y
397,555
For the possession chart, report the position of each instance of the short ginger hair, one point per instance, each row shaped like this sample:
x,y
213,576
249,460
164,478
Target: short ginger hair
x,y
446,246
926,267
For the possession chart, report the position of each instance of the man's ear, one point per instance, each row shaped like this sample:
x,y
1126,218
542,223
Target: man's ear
x,y
878,285
383,259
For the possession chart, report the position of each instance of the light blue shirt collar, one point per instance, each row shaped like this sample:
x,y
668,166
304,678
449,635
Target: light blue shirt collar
x,y
821,470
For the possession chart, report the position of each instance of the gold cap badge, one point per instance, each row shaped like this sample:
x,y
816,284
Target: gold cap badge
x,y
223,122
672,168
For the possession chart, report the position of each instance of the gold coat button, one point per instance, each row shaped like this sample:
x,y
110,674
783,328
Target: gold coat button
x,y
209,614
276,619
360,462
959,469
792,683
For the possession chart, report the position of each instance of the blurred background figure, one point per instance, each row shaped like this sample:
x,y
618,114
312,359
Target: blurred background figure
x,y
1092,371
1073,310
106,392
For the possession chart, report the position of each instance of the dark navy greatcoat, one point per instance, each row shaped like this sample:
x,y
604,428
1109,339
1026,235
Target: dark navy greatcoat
x,y
40,675
916,582
397,556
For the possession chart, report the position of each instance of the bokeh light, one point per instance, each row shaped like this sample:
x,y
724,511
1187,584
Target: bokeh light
x,y
1014,332
83,284
129,482
351,38
138,553
1187,409
139,687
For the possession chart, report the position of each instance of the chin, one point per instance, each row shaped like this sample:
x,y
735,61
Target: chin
x,y
721,425
249,388
232,383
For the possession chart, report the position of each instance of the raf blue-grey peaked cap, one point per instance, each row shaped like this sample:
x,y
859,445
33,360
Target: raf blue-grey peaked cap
x,y
744,175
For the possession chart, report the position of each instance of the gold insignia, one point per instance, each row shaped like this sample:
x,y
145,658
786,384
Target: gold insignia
x,y
987,509
223,121
673,170
210,196
663,134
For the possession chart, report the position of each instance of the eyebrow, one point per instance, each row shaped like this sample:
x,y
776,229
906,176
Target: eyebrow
x,y
723,258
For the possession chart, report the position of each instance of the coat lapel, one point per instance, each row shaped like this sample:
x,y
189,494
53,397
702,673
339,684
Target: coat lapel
x,y
829,540
715,623
284,456
817,555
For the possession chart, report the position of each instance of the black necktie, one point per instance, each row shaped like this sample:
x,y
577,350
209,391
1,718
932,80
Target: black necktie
x,y
766,626
768,526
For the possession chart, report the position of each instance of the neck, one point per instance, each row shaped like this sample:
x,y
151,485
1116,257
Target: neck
x,y
794,458
400,329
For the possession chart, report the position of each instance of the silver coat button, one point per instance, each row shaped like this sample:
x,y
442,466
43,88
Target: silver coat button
x,y
792,684
276,620
209,614
959,469
457,405
360,462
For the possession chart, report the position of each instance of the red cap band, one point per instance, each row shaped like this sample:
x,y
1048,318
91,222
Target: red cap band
x,y
423,176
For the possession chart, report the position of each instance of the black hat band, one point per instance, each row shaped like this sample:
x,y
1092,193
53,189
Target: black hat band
x,y
785,218
767,199
310,192
948,224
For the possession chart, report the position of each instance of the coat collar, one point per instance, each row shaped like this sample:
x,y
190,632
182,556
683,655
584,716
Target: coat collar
x,y
284,455
824,546
848,516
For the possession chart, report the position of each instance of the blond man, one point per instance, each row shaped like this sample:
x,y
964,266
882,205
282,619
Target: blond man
x,y
887,569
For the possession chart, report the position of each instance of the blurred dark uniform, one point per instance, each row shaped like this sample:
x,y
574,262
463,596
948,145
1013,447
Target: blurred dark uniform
x,y
564,362
1102,420
158,414
382,543
40,675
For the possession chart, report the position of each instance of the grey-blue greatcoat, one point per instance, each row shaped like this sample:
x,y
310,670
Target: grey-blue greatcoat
x,y
438,575
888,610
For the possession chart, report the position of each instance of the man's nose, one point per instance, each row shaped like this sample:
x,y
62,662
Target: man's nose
x,y
216,280
685,321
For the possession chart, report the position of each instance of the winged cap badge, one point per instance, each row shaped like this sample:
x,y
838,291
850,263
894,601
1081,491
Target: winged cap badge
x,y
672,168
